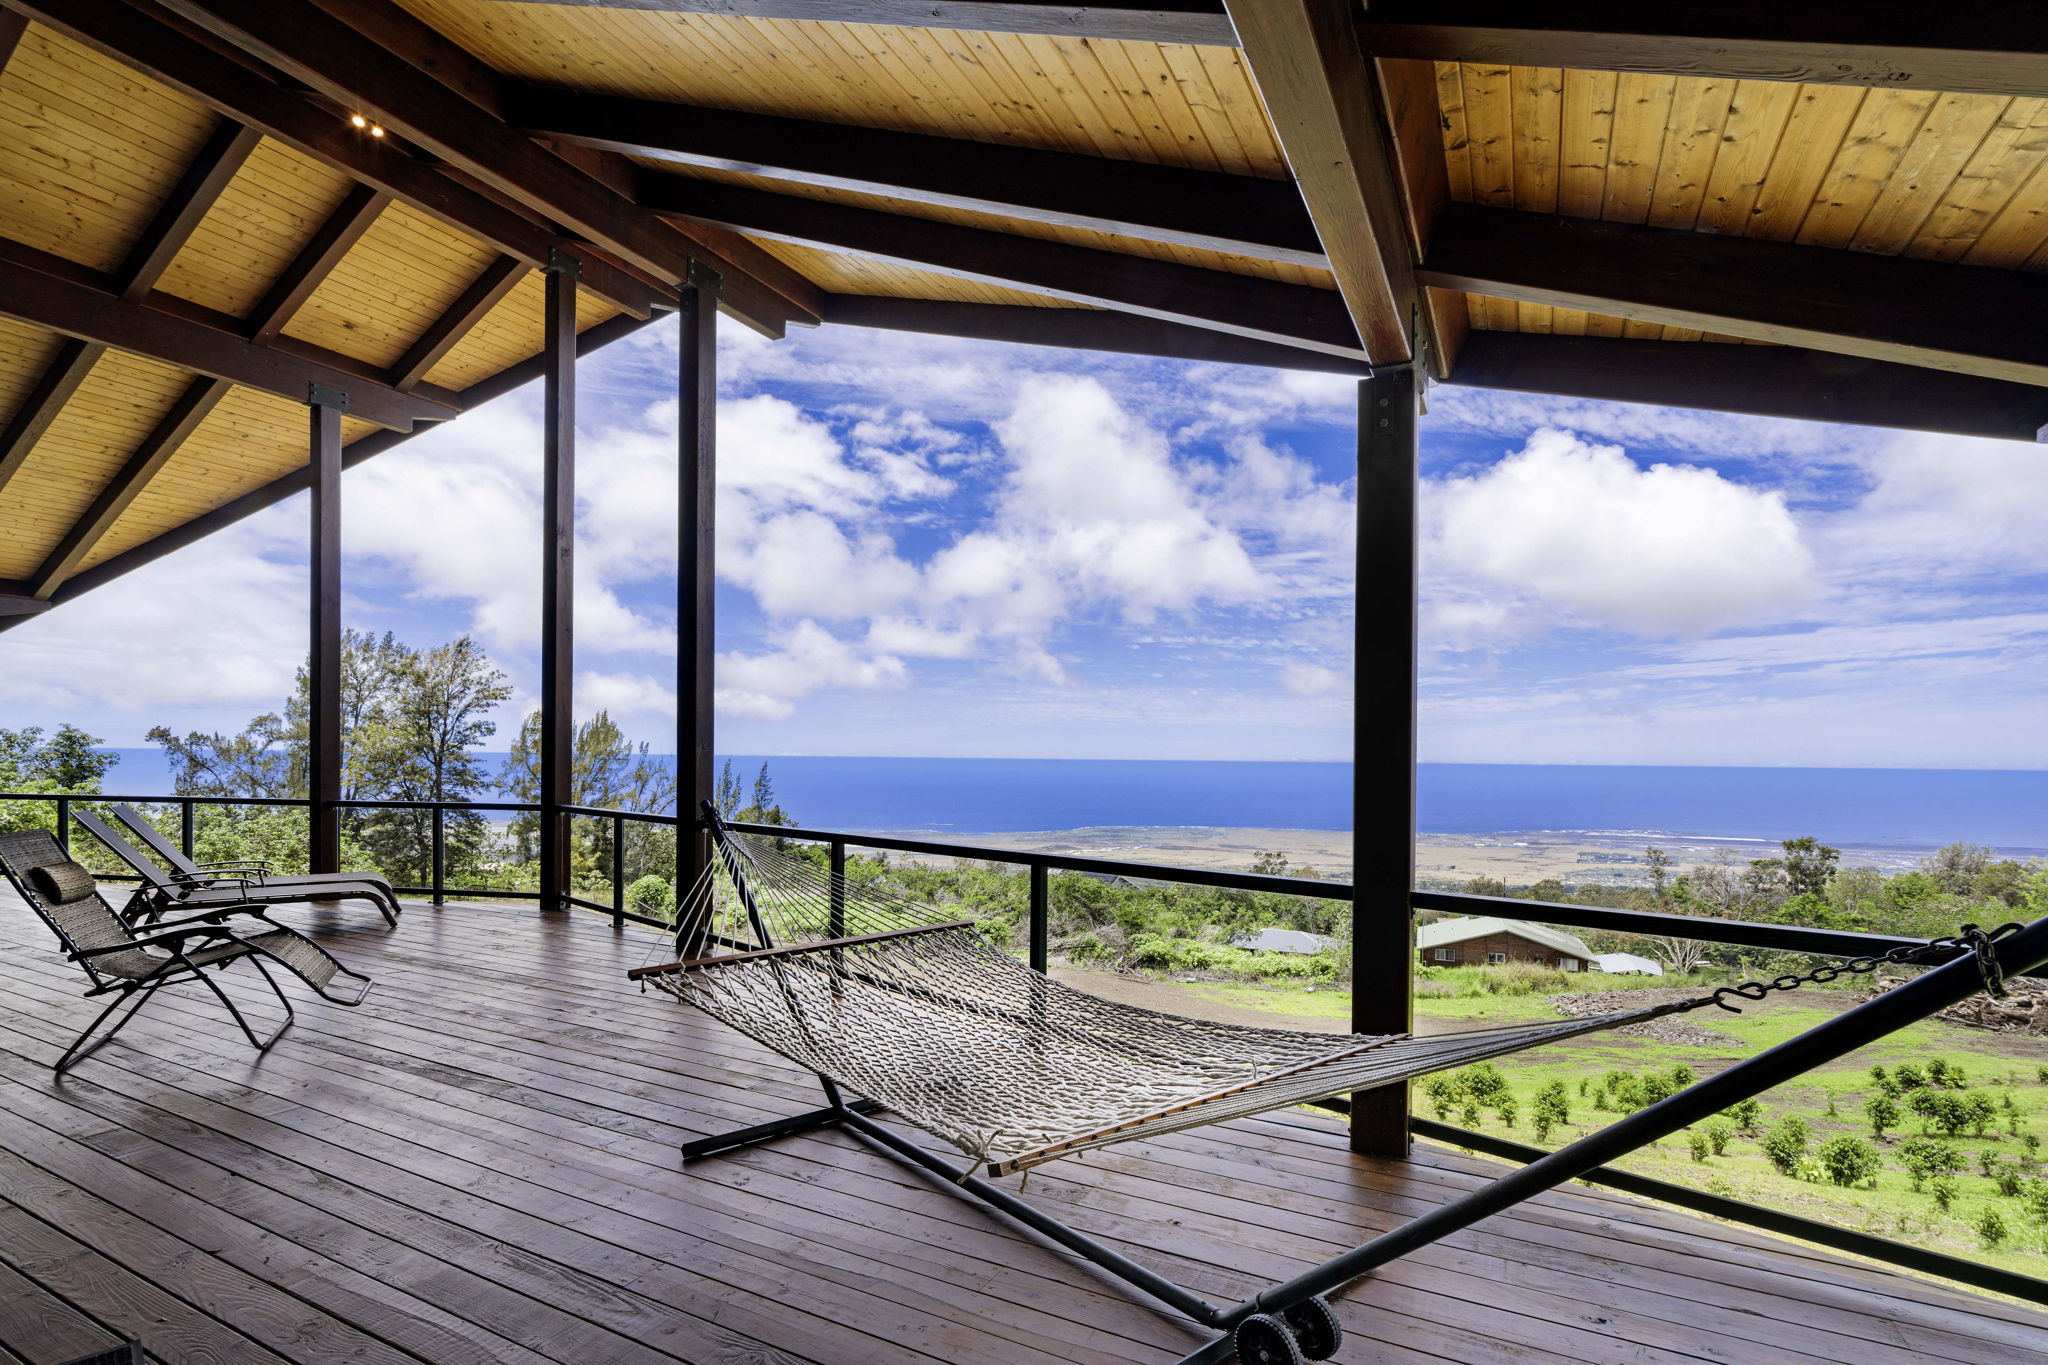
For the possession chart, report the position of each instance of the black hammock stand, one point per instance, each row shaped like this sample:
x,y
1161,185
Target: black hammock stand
x,y
1292,1322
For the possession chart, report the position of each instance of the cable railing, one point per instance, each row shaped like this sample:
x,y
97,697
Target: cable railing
x,y
1040,867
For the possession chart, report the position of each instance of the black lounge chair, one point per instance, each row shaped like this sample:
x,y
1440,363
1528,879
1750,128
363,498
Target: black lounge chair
x,y
189,885
133,964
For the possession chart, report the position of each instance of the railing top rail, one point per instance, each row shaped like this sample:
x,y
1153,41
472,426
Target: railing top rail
x,y
1311,887
158,800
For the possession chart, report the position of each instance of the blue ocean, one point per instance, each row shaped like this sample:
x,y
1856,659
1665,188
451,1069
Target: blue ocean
x,y
1863,807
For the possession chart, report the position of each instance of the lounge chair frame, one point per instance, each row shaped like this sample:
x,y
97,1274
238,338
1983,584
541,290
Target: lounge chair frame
x,y
191,945
190,883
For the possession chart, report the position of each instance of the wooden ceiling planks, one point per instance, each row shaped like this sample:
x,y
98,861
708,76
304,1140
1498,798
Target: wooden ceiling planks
x,y
509,333
92,149
247,441
1960,177
1180,106
405,272
844,274
268,214
118,404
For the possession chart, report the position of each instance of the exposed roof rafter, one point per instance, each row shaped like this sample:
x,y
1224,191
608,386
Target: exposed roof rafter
x,y
1208,210
199,398
1992,49
498,279
163,51
1289,314
1766,381
1080,329
1201,22
1317,87
311,267
316,44
1962,318
65,298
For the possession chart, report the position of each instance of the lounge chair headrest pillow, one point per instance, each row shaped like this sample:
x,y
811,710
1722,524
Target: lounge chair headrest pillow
x,y
61,883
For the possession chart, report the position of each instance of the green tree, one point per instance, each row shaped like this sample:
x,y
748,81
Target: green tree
x,y
1785,1144
1883,1112
1809,865
1848,1160
607,771
1928,1158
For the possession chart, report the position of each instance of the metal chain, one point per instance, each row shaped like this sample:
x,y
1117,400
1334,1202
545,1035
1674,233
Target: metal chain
x,y
1970,939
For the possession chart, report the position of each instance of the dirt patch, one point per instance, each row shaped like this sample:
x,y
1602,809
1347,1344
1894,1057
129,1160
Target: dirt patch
x,y
1670,1029
2023,1012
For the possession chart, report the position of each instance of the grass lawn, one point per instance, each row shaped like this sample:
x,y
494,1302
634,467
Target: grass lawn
x,y
1999,1065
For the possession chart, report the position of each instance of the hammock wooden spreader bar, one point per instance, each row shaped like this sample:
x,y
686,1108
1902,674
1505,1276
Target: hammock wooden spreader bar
x,y
929,1020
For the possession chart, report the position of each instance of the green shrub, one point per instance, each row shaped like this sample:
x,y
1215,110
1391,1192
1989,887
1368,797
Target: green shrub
x,y
1991,1227
1445,1092
1485,1081
1943,1188
1848,1161
1744,1114
1786,1143
1883,1113
1719,1134
1909,1076
1698,1144
652,896
1928,1158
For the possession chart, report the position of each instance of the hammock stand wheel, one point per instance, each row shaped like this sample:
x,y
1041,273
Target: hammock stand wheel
x,y
1292,1321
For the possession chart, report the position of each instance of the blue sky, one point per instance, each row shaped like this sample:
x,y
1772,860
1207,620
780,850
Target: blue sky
x,y
951,548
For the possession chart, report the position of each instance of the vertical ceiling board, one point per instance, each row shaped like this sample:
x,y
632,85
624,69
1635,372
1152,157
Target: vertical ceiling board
x,y
1537,96
1877,140
1642,331
25,354
1954,131
93,149
406,271
260,223
1682,334
1585,141
1571,322
1206,114
1601,325
1450,100
1812,138
1756,122
1642,111
1490,134
120,401
1535,317
2014,149
1692,141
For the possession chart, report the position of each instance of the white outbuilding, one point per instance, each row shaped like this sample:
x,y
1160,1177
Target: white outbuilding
x,y
1626,964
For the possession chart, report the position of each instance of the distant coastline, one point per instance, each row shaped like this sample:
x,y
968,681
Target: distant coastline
x,y
1601,813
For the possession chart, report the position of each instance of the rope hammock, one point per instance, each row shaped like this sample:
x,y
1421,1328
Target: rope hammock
x,y
928,1018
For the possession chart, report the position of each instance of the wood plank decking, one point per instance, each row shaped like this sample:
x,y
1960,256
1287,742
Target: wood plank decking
x,y
478,1166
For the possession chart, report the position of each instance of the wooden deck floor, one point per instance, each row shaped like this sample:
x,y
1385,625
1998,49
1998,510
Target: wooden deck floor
x,y
479,1166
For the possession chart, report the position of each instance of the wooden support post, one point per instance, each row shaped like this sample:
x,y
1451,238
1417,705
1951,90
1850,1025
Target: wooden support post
x,y
323,668
697,478
558,581
1383,744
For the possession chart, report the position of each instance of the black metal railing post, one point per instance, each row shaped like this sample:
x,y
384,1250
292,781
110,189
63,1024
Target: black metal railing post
x,y
64,824
188,827
438,872
618,871
836,915
1041,914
